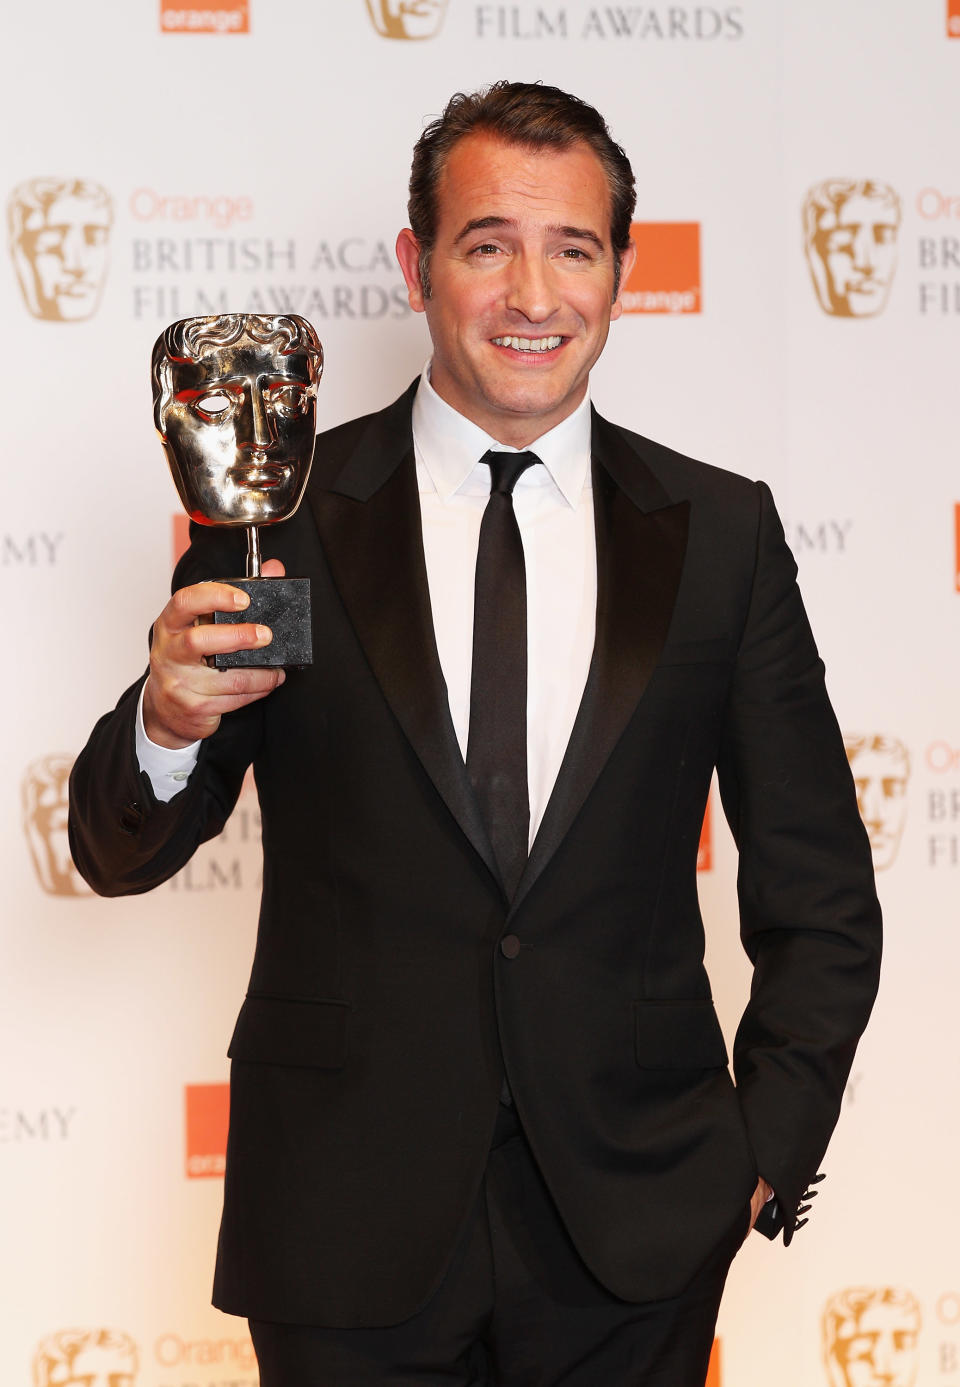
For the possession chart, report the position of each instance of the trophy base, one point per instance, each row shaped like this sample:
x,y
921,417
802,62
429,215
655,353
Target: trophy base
x,y
283,604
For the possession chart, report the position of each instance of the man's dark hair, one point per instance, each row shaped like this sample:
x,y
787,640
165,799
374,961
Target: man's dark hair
x,y
523,113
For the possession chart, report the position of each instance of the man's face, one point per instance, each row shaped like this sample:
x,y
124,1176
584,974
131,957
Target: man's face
x,y
881,781
408,19
96,1366
521,278
239,433
879,1350
858,248
66,250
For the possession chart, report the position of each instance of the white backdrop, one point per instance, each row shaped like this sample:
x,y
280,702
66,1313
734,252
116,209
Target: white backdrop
x,y
164,170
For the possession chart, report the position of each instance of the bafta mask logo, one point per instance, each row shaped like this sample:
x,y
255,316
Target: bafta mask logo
x,y
850,229
880,766
870,1337
59,238
234,402
44,801
86,1358
407,19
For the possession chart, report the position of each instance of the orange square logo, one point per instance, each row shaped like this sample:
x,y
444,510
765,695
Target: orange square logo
x,y
208,1112
713,1372
666,275
953,19
705,849
205,17
181,535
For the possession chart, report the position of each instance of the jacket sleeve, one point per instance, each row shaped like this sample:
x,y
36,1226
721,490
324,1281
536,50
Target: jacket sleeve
x,y
810,919
123,840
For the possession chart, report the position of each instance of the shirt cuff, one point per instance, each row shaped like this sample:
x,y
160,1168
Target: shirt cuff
x,y
169,769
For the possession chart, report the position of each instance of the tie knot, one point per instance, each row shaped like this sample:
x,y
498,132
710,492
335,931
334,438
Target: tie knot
x,y
505,468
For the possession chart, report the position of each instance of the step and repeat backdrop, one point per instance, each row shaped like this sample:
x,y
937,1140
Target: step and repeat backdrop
x,y
794,315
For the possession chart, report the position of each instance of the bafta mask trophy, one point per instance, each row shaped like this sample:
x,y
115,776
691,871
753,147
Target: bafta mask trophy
x,y
234,402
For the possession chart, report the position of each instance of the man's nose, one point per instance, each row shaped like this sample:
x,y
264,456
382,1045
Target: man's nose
x,y
532,288
256,432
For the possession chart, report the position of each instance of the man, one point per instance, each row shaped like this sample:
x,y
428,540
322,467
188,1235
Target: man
x,y
850,230
880,766
482,1125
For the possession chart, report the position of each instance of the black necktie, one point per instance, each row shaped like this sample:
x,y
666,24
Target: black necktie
x,y
497,739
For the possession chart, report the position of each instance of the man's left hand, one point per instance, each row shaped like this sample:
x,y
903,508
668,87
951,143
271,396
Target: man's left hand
x,y
757,1200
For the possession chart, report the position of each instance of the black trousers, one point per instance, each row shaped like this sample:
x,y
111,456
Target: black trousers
x,y
517,1308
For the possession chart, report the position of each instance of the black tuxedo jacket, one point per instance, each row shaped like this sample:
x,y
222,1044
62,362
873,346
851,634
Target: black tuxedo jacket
x,y
385,1005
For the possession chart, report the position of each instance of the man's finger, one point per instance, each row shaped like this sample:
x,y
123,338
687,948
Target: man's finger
x,y
208,638
200,599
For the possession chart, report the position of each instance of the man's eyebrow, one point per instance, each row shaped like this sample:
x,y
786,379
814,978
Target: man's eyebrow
x,y
580,233
577,233
482,224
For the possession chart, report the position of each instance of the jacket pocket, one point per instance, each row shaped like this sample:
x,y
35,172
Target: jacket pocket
x,y
279,1030
678,1035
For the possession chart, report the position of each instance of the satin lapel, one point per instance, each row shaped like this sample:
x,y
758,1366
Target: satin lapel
x,y
641,543
369,523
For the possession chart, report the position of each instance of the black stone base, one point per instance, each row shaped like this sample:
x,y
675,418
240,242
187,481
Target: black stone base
x,y
283,604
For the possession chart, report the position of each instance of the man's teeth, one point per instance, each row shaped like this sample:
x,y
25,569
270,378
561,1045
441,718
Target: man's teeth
x,y
528,344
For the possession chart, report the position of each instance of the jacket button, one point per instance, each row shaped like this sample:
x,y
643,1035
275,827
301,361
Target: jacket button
x,y
131,818
509,946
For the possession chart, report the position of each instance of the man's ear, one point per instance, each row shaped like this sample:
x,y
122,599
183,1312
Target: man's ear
x,y
627,262
408,254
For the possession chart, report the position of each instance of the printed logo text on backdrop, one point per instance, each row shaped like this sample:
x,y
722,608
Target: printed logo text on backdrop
x,y
86,1356
880,766
666,274
59,231
850,229
407,19
209,17
43,798
870,1336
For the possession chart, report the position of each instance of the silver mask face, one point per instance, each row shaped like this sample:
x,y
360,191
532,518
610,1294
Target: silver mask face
x,y
235,404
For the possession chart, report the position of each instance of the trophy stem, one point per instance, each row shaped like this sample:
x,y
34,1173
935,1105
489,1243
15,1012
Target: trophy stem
x,y
253,552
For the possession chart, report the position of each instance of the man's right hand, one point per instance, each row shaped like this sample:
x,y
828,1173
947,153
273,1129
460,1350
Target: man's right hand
x,y
184,698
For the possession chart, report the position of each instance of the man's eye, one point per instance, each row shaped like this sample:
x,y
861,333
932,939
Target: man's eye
x,y
216,405
486,249
574,253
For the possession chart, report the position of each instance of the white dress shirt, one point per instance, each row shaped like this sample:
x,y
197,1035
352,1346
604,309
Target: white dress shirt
x,y
554,510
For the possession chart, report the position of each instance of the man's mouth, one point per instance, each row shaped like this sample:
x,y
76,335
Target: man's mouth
x,y
528,344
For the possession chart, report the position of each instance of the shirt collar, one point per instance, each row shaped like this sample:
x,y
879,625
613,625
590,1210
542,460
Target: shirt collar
x,y
448,446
